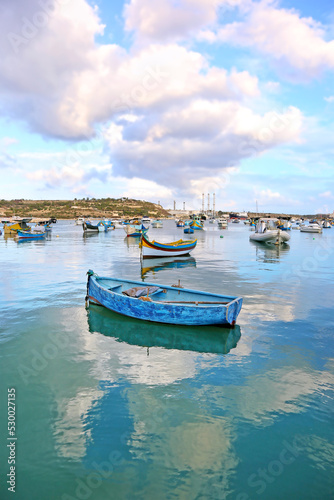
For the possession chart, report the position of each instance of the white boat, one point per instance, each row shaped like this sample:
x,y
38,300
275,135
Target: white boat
x,y
326,224
79,221
310,228
145,220
157,223
266,232
117,224
222,223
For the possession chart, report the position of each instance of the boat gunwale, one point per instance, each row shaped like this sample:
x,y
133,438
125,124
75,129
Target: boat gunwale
x,y
167,287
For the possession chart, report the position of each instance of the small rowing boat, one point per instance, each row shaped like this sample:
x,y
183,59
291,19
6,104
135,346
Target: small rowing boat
x,y
162,304
34,234
151,249
135,229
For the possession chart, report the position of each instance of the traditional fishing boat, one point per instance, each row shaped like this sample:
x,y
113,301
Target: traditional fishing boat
x,y
266,232
180,223
188,230
135,230
162,304
196,224
34,234
151,249
17,223
88,226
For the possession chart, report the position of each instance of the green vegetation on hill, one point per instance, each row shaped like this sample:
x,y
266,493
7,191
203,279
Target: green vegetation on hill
x,y
71,209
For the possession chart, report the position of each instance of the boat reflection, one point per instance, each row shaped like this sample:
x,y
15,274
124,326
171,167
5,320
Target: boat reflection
x,y
204,339
155,265
268,252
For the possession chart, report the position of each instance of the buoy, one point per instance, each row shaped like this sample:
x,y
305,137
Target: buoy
x,y
221,236
57,235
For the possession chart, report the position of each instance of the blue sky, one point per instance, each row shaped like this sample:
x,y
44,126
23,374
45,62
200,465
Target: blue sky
x,y
164,100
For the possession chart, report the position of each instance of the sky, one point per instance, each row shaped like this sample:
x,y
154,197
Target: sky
x,y
163,100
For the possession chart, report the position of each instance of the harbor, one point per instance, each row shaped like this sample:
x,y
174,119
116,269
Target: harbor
x,y
199,411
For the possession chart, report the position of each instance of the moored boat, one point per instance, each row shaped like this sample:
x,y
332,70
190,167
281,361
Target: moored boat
x,y
88,226
157,223
196,224
135,230
161,303
151,249
17,223
31,234
266,232
188,230
310,228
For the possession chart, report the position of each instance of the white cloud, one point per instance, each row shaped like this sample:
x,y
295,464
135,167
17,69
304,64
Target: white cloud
x,y
329,99
297,44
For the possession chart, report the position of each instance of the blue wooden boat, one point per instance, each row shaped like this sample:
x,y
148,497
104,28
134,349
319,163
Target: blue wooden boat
x,y
188,230
162,304
31,235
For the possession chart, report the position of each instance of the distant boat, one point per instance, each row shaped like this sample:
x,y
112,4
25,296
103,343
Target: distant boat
x,y
196,224
310,228
326,224
135,229
222,223
161,303
105,225
180,223
79,221
17,223
151,249
188,230
145,219
157,223
266,232
88,226
31,234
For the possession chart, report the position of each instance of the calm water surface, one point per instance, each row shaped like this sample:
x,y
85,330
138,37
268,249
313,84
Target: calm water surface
x,y
114,408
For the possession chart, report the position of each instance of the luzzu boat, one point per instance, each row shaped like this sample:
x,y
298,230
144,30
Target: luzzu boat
x,y
196,224
151,249
30,235
17,223
162,304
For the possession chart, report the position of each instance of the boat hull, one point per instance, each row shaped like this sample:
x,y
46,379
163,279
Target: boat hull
x,y
270,237
157,309
309,229
30,235
87,226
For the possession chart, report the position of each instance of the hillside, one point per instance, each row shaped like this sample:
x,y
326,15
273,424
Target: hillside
x,y
88,207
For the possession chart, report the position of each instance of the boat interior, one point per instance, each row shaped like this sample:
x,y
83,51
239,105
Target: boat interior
x,y
173,294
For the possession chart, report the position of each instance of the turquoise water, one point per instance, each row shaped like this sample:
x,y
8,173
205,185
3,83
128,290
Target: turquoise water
x,y
113,408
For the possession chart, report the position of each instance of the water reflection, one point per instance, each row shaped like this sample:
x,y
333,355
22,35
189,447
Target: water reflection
x,y
155,265
205,339
269,252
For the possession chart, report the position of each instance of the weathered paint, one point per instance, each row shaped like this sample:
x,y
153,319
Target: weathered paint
x,y
159,311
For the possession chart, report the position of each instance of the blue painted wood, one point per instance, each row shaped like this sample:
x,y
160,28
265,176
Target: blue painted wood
x,y
108,293
30,235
